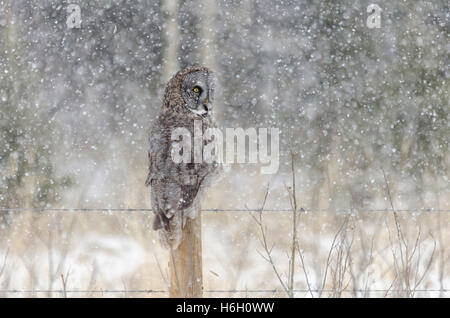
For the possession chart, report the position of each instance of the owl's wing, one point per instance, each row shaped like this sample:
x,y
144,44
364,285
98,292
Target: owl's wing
x,y
190,191
199,177
196,178
158,146
150,170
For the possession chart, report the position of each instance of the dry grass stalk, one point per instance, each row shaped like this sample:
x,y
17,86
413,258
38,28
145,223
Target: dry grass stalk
x,y
267,249
64,279
407,277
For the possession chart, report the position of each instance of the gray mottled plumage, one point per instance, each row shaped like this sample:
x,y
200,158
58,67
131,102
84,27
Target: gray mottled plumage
x,y
177,188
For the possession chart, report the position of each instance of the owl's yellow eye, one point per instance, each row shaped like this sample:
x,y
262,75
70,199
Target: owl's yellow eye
x,y
196,90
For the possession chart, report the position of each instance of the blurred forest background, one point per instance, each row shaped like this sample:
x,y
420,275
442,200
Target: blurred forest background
x,y
350,101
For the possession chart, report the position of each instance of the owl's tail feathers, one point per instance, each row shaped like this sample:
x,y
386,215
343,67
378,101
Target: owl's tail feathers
x,y
170,230
158,222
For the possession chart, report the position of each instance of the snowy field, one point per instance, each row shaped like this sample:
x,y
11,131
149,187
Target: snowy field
x,y
116,254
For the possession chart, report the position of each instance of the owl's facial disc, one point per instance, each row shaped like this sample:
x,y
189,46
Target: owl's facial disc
x,y
198,92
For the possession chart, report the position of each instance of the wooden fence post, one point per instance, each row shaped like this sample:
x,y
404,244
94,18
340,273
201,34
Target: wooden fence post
x,y
185,264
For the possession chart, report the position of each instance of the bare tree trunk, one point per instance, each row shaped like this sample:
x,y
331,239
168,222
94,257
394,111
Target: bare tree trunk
x,y
208,35
208,53
185,264
172,40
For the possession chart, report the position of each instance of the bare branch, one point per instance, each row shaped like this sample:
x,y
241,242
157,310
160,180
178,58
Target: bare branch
x,y
268,250
4,262
304,271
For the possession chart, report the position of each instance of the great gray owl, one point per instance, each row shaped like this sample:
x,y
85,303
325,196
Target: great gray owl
x,y
177,188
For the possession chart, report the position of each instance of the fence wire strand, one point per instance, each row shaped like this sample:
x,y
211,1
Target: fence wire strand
x,y
218,210
162,291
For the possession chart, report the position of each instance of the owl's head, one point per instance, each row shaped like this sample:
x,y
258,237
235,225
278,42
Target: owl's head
x,y
197,90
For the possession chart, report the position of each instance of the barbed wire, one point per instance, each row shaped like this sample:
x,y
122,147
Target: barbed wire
x,y
110,210
162,291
